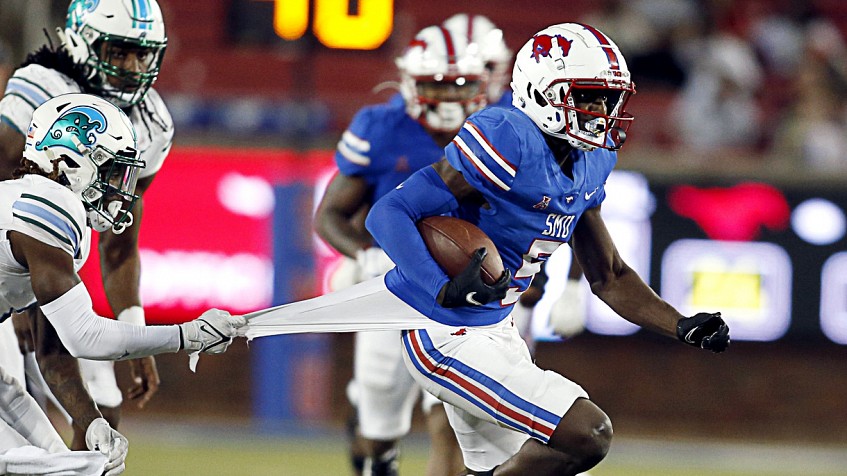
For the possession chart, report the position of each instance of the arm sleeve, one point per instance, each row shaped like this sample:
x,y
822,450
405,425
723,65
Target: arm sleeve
x,y
392,222
89,336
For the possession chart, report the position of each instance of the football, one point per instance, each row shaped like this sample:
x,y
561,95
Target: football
x,y
452,242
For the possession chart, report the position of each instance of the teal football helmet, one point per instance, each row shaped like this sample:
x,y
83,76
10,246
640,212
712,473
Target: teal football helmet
x,y
122,44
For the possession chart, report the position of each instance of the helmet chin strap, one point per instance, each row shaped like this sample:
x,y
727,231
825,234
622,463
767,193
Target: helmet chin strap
x,y
119,228
100,223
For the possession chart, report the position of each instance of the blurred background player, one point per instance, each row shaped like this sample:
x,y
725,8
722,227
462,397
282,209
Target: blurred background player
x,y
113,49
482,32
79,170
567,315
443,82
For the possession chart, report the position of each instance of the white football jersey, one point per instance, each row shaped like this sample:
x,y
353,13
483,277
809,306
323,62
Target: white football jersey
x,y
42,209
34,84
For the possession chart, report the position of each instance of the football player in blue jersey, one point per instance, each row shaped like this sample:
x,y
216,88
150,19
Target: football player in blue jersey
x,y
567,315
112,49
79,167
532,178
442,83
538,172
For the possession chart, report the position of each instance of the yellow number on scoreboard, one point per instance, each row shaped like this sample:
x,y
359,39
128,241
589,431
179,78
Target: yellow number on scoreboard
x,y
291,18
334,26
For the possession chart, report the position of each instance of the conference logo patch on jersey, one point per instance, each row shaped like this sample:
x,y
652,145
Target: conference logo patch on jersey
x,y
402,164
80,122
542,46
543,204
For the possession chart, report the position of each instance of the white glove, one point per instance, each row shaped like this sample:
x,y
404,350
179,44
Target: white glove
x,y
372,263
211,333
103,438
567,316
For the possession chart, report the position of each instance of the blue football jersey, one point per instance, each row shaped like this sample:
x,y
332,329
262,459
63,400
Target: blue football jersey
x,y
505,100
384,146
532,205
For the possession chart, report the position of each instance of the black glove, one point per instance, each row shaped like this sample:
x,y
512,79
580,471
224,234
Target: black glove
x,y
468,288
704,330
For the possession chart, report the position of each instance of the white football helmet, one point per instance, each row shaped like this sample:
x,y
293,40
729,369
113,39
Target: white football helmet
x,y
564,69
496,55
121,41
441,79
91,145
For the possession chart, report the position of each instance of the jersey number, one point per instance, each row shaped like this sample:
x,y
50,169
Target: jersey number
x,y
531,266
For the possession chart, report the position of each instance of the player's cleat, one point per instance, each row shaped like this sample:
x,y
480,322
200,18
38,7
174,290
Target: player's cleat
x,y
387,465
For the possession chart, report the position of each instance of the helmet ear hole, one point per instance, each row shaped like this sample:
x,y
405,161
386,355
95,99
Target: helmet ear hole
x,y
71,163
539,99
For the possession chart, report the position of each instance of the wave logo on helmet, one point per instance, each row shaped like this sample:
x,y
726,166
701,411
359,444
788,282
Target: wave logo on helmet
x,y
542,46
78,9
81,122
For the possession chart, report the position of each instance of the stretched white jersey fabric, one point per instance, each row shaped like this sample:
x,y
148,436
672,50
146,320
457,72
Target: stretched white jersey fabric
x,y
42,209
34,84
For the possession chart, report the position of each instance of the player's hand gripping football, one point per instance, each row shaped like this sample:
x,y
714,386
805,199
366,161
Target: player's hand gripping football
x,y
704,330
468,288
103,438
211,333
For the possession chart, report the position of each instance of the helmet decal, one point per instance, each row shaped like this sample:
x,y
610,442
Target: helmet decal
x,y
78,9
605,44
451,49
141,17
542,46
81,122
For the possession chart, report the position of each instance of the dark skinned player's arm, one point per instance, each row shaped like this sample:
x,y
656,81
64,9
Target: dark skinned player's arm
x,y
120,264
614,282
11,150
339,215
52,275
455,181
